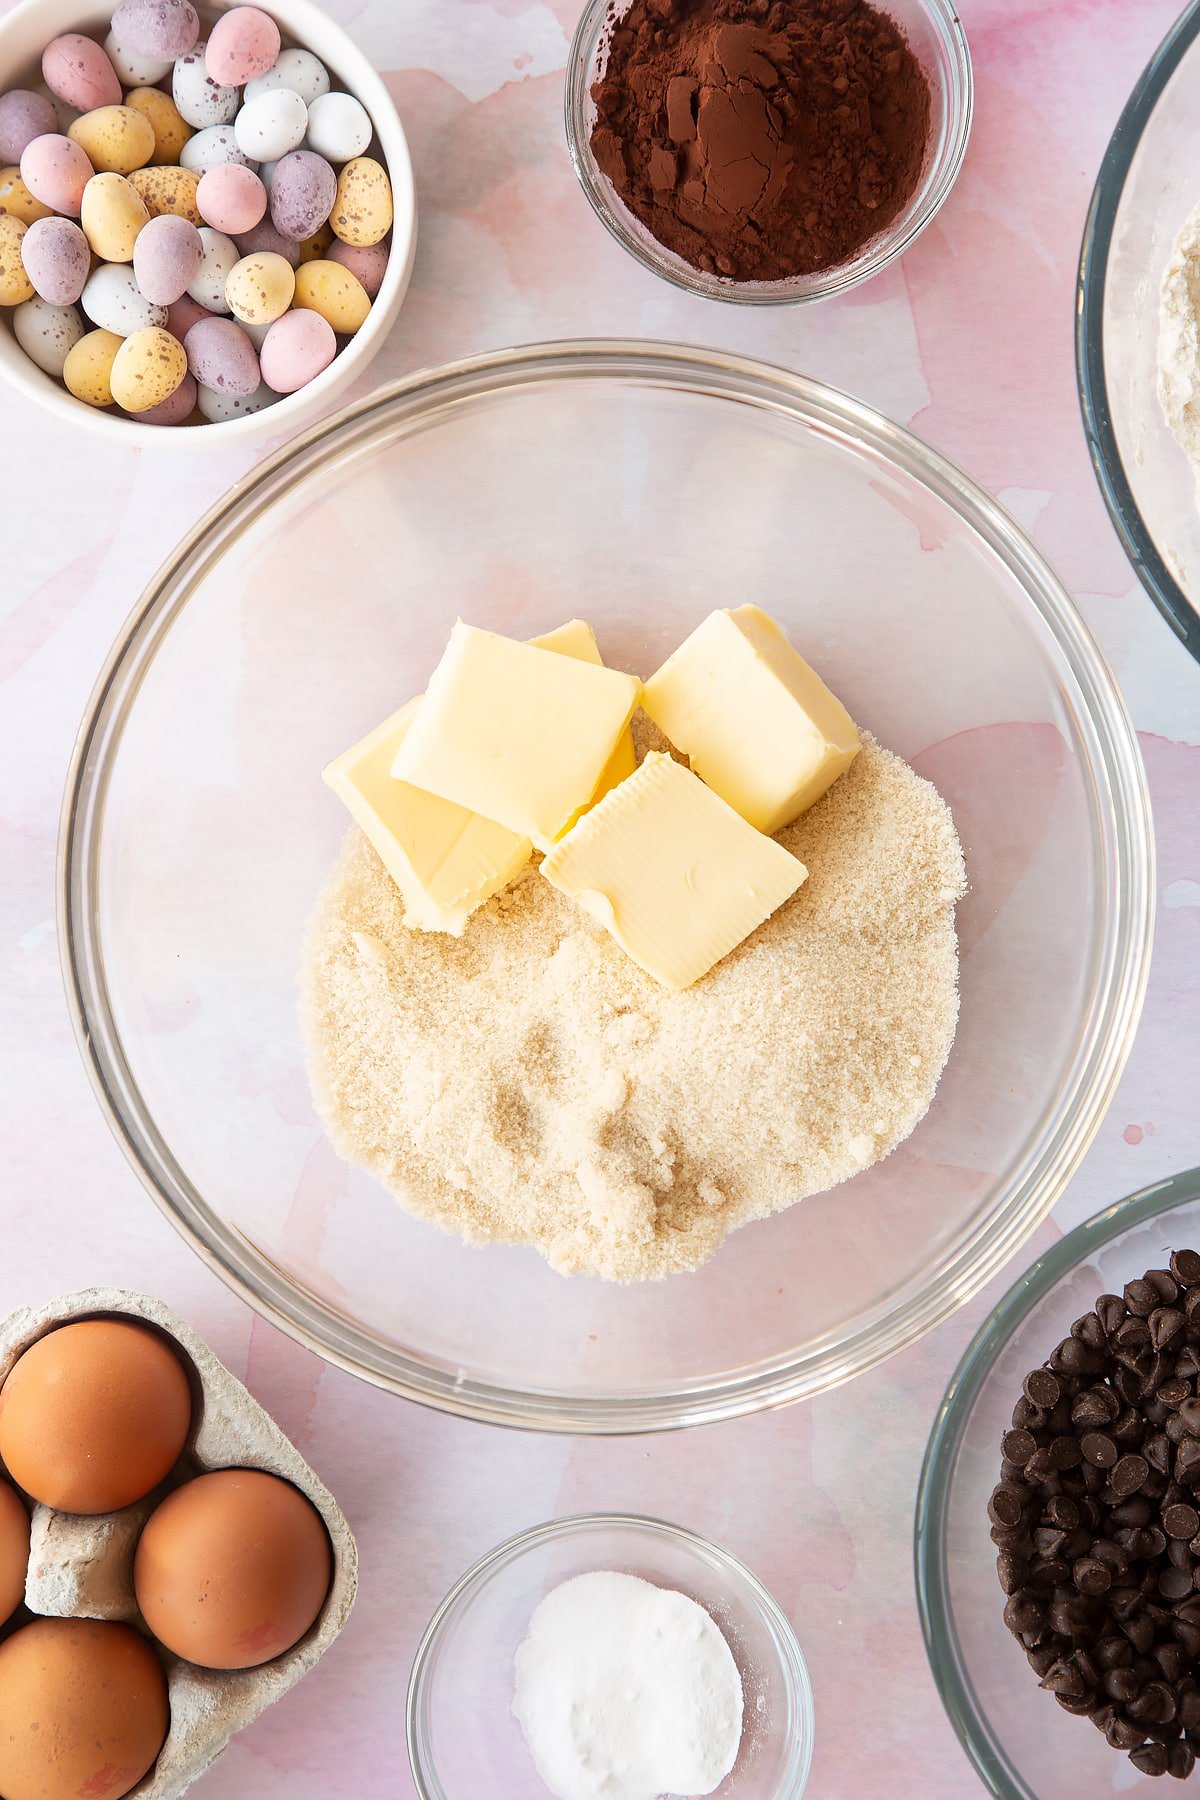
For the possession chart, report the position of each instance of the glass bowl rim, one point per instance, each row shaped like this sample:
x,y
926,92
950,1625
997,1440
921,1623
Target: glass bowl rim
x,y
1139,546
937,1468
474,1579
1124,847
890,244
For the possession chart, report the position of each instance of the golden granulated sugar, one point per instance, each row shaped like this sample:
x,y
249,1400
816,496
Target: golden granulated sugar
x,y
527,1083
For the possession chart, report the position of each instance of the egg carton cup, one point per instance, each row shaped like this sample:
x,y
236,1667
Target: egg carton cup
x,y
82,1568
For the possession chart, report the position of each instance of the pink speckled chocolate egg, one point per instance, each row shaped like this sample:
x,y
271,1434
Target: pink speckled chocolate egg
x,y
76,70
265,239
243,43
166,255
23,116
366,261
58,260
303,189
221,356
296,349
175,409
231,197
56,171
183,313
163,29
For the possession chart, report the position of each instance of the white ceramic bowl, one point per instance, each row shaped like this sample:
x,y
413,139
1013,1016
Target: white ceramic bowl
x,y
25,33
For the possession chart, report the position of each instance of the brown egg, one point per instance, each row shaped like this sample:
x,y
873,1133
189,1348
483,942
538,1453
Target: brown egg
x,y
232,1569
94,1415
85,1710
14,1551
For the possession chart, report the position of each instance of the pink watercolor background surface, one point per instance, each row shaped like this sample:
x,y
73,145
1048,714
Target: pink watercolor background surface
x,y
969,340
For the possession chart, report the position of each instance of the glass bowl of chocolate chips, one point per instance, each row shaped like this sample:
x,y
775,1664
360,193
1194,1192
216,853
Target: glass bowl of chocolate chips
x,y
1058,1518
768,152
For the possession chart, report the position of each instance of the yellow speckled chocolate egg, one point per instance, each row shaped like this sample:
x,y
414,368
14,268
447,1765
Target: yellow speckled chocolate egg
x,y
16,199
113,213
168,190
327,288
362,207
15,284
259,288
88,368
147,369
317,245
171,130
115,139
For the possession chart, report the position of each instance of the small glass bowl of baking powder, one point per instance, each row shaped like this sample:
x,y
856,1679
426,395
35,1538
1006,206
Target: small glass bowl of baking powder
x,y
936,38
463,1739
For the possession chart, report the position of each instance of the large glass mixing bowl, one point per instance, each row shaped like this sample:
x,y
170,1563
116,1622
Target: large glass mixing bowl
x,y
638,486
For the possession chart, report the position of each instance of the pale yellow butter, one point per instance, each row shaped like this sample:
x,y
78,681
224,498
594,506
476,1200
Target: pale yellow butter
x,y
515,732
755,722
576,638
675,875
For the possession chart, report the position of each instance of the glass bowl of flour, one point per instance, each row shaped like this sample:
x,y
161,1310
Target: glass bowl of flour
x,y
494,1656
638,487
1138,328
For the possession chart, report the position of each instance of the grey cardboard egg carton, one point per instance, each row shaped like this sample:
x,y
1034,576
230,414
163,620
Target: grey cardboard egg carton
x,y
83,1567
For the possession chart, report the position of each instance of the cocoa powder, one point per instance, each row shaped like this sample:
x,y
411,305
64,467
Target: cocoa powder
x,y
761,139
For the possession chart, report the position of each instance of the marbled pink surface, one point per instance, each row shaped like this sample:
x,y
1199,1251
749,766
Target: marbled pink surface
x,y
970,341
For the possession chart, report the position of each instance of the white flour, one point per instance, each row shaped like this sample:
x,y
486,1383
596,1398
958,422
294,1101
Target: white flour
x,y
628,1691
1179,340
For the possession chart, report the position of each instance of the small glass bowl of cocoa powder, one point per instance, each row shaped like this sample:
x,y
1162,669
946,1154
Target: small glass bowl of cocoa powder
x,y
768,152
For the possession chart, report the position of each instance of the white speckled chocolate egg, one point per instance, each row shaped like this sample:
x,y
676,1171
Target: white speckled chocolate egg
x,y
218,258
267,128
47,334
200,99
299,70
113,301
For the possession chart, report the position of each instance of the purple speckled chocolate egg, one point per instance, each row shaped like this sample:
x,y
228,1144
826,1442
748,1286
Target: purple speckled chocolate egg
x,y
183,313
163,29
231,198
366,261
176,409
243,43
76,70
166,255
57,258
221,356
303,189
56,171
296,349
23,116
265,238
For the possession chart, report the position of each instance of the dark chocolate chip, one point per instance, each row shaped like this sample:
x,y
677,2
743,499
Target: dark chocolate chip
x,y
1129,1475
1007,1505
1111,1311
1063,1678
1098,1449
1181,1760
1185,1267
1181,1521
1022,1613
1013,1571
1092,1577
1042,1388
1093,1407
1175,1584
1123,1734
1150,1759
1141,1297
1189,1412
1121,1684
1063,1512
1131,1512
1113,1653
1017,1447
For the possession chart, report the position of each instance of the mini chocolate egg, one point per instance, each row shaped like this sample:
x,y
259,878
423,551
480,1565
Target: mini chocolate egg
x,y
314,247
326,288
87,367
166,256
257,335
231,198
96,1413
112,214
217,408
56,171
57,260
47,334
159,28
183,313
299,70
14,1551
267,128
295,350
171,130
232,1569
24,115
218,257
115,139
339,127
15,284
303,190
368,262
243,43
221,356
168,191
362,209
265,237
209,148
177,409
147,369
85,1710
76,70
259,289
134,70
15,198
201,100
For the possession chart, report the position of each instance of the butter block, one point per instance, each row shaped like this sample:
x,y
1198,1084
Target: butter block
x,y
515,732
755,722
576,638
676,875
445,859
